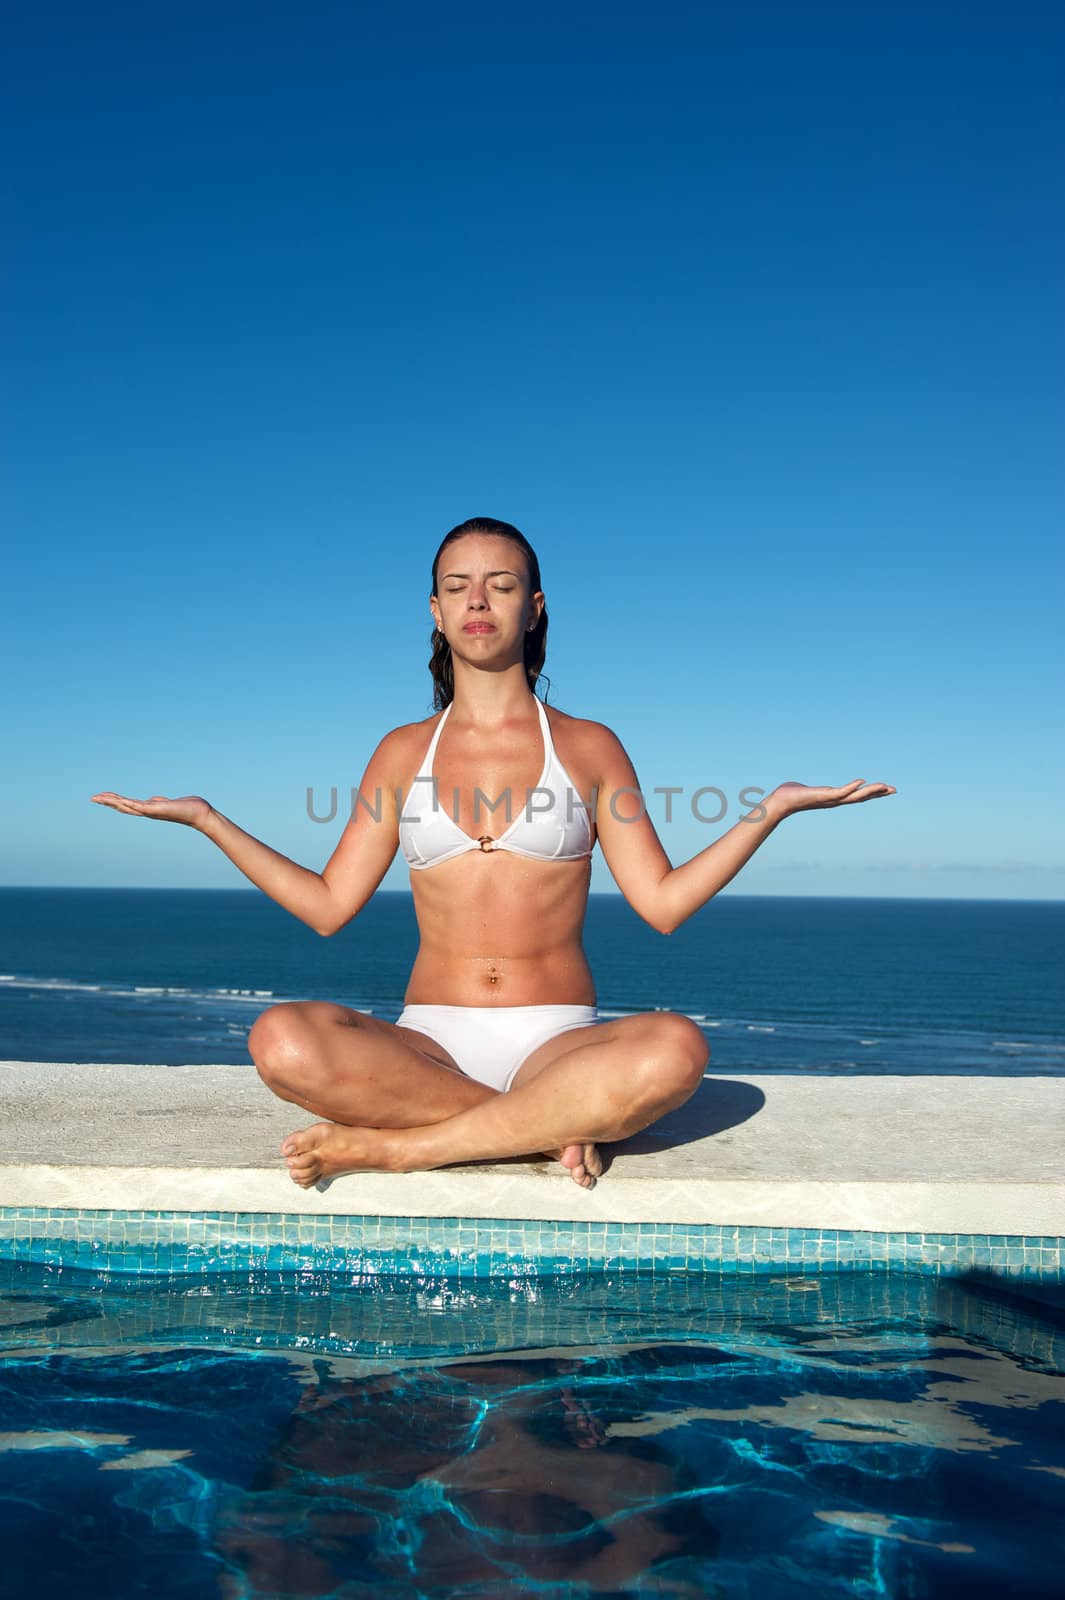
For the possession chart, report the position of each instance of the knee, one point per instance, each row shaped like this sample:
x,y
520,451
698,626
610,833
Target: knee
x,y
681,1051
278,1042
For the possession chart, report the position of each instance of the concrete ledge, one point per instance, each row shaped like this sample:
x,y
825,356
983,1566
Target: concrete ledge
x,y
881,1154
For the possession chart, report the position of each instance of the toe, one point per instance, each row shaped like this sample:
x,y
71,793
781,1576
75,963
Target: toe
x,y
304,1141
300,1168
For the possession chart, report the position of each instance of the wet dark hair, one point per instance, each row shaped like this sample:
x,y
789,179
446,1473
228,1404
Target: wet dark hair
x,y
440,663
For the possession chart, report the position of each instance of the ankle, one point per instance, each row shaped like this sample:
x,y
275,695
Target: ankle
x,y
397,1152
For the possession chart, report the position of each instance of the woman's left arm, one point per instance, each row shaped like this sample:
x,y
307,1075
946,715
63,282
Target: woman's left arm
x,y
664,895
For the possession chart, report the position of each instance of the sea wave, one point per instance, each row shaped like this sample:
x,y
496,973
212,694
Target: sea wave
x,y
134,991
1027,1044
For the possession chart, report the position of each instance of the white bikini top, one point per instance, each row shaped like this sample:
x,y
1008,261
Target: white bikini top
x,y
552,825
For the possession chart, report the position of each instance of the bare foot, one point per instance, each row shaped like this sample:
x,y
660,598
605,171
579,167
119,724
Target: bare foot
x,y
329,1148
583,1162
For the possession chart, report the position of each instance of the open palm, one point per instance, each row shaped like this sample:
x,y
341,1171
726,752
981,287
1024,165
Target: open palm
x,y
806,797
192,809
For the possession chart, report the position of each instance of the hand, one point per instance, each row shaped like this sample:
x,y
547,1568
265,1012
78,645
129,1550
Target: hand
x,y
789,797
192,809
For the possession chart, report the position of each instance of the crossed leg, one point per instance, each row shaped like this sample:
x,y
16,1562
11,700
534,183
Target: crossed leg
x,y
359,1071
603,1082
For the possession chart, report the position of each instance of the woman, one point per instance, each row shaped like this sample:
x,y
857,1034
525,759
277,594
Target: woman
x,y
498,1051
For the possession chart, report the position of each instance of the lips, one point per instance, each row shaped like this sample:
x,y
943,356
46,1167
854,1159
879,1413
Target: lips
x,y
479,627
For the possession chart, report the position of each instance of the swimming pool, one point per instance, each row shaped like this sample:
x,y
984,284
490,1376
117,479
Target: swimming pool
x,y
772,1434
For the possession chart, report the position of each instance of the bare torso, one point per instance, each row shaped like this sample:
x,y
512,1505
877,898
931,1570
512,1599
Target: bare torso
x,y
497,928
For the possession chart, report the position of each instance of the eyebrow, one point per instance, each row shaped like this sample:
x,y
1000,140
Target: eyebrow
x,y
500,572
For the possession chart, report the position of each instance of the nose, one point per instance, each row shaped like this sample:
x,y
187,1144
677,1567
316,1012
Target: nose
x,y
477,600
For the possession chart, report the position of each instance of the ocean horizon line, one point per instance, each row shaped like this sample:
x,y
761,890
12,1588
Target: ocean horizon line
x,y
594,894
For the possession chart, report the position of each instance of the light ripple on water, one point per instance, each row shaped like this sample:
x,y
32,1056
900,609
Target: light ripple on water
x,y
700,1437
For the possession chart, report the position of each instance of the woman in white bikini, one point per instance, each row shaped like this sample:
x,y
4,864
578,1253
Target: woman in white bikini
x,y
498,1051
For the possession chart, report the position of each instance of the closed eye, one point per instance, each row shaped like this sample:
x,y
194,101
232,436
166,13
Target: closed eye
x,y
499,588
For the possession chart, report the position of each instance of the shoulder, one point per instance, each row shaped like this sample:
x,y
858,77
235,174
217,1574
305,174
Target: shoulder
x,y
410,734
401,749
596,746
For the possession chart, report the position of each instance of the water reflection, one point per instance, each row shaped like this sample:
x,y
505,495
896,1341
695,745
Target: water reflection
x,y
680,1436
484,1472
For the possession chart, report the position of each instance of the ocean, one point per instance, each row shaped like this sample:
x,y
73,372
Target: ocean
x,y
778,984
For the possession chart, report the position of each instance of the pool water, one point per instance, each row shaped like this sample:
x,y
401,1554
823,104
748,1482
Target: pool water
x,y
734,1435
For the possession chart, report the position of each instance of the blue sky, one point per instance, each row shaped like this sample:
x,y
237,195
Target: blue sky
x,y
752,326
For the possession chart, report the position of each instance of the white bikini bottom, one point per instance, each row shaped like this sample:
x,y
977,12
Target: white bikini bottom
x,y
490,1043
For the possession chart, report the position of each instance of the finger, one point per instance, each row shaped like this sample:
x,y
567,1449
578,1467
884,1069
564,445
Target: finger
x,y
131,807
875,791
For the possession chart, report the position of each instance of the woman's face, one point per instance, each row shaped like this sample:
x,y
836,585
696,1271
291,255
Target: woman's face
x,y
483,604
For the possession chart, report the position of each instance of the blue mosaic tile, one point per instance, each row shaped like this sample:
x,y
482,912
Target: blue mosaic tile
x,y
169,1242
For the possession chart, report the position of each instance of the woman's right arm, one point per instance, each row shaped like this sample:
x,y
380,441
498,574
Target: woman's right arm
x,y
298,889
326,901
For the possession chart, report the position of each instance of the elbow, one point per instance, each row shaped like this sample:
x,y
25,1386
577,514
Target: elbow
x,y
326,926
662,919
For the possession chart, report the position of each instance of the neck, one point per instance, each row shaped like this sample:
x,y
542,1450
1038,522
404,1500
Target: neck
x,y
488,698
